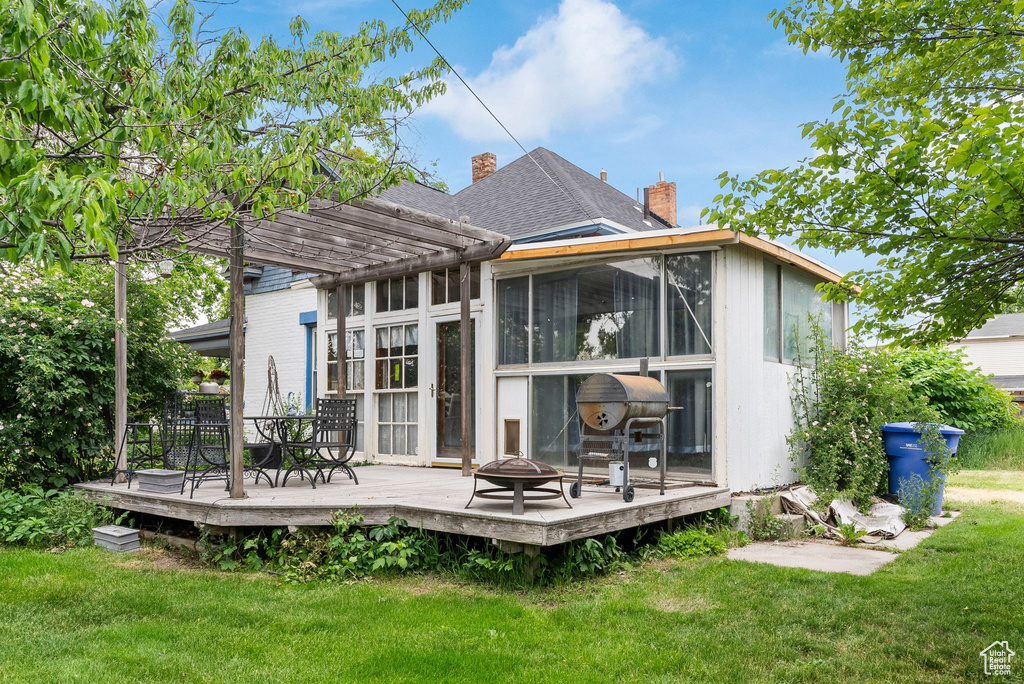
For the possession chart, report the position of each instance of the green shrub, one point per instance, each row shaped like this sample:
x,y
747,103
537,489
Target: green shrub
x,y
348,550
959,392
51,518
917,499
56,366
841,399
692,543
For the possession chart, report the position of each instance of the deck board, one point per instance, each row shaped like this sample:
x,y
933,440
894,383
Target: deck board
x,y
432,498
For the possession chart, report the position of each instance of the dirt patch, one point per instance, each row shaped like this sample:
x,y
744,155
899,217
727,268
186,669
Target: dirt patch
x,y
154,558
427,585
684,604
984,495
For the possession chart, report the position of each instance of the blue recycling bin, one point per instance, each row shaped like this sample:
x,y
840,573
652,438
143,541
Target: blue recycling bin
x,y
907,455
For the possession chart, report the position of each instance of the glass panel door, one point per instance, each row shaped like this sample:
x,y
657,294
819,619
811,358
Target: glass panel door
x,y
449,389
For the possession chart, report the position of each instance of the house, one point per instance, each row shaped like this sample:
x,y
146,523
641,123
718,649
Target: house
x,y
997,349
595,281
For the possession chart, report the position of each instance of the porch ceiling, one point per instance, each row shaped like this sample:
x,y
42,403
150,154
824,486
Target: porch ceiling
x,y
353,242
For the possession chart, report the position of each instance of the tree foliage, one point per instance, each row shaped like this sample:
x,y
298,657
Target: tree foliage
x,y
115,135
957,390
57,362
920,165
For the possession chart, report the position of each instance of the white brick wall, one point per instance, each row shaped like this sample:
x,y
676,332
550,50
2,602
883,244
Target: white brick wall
x,y
272,328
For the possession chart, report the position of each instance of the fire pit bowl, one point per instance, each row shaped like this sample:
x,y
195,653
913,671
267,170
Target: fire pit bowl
x,y
513,478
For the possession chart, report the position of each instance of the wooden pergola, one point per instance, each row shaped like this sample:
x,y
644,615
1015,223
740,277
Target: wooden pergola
x,y
345,244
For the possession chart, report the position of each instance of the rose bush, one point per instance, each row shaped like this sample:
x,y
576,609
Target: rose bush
x,y
57,363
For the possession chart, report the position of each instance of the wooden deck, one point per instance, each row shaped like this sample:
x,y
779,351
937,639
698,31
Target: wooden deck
x,y
432,498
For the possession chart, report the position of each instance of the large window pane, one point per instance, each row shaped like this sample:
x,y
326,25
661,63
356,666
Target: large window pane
x,y
513,320
801,302
689,429
688,280
771,310
555,426
600,312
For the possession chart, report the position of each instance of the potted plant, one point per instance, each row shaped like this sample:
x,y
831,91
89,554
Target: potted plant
x,y
219,376
198,376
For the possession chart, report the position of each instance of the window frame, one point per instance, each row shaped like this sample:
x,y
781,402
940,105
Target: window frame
x,y
662,316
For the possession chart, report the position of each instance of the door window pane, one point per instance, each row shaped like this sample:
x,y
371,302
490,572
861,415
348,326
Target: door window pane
x,y
688,280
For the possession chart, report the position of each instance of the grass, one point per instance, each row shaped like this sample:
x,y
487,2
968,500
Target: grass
x,y
988,479
91,616
993,450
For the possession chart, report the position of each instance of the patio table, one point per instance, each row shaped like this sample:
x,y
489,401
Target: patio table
x,y
286,429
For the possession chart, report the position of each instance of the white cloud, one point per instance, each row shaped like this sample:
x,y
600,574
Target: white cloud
x,y
580,66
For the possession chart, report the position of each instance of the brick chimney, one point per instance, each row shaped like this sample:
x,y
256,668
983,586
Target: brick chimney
x,y
484,165
663,199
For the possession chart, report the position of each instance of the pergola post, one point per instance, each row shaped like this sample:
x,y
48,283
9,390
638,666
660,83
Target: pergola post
x,y
237,357
120,363
340,348
466,347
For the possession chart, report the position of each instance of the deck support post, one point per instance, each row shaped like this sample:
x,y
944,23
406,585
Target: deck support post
x,y
466,346
236,343
120,363
340,347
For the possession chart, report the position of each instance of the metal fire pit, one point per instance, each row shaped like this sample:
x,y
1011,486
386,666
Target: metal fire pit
x,y
514,478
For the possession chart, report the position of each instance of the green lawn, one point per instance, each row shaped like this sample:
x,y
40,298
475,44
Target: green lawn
x,y
91,616
1012,480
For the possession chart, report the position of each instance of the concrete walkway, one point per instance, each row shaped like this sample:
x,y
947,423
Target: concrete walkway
x,y
829,556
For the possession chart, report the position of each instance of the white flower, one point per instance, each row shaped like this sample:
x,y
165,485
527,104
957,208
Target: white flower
x,y
81,29
86,303
24,299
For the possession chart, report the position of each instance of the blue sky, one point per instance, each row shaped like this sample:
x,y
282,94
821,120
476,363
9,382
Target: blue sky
x,y
690,88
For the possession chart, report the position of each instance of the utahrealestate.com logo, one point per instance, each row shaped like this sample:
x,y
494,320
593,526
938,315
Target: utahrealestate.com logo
x,y
997,658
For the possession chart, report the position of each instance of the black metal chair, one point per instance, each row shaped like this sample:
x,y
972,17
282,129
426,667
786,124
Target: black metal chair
x,y
176,434
208,455
331,443
141,447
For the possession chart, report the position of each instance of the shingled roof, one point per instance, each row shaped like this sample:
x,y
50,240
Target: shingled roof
x,y
1003,325
531,196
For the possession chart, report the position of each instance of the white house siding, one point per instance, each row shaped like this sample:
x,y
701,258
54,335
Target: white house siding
x,y
1002,356
754,414
272,328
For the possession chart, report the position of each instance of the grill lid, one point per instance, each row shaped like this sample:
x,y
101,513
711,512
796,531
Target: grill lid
x,y
517,467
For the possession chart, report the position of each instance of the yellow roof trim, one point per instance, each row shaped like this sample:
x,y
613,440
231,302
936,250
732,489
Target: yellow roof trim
x,y
705,237
698,238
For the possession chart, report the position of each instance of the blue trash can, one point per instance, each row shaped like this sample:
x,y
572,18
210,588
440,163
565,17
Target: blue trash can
x,y
907,455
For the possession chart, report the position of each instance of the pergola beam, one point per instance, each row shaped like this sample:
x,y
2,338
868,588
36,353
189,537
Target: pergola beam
x,y
346,244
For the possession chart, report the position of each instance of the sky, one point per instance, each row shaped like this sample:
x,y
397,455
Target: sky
x,y
691,88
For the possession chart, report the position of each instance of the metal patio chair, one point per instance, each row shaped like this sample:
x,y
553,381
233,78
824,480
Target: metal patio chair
x,y
208,453
142,449
331,443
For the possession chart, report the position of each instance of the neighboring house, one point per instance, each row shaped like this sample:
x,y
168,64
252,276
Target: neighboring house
x,y
596,282
997,348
